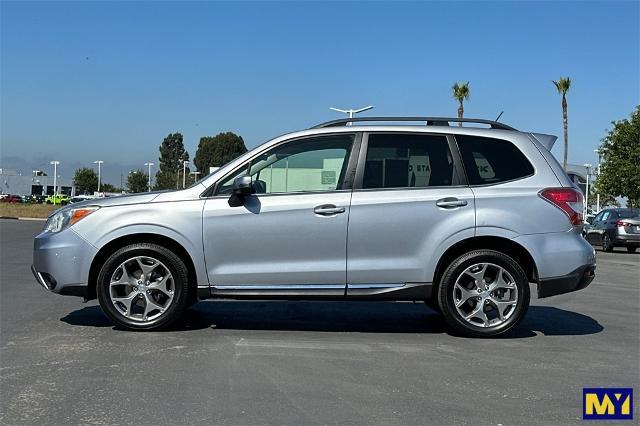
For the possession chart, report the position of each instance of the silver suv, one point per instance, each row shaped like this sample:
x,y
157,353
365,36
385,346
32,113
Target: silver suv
x,y
463,218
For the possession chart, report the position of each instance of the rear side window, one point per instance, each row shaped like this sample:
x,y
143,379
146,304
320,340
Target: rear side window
x,y
488,161
397,160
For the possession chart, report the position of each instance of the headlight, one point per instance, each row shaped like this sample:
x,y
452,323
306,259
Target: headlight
x,y
67,217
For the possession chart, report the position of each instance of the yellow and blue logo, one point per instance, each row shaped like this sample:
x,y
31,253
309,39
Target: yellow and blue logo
x,y
607,404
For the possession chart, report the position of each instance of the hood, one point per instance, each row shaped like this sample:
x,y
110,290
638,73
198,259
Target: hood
x,y
118,200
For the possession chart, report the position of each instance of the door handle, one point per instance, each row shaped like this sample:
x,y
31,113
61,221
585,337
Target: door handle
x,y
450,202
328,210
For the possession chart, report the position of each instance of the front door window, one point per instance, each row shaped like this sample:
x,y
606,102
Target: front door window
x,y
307,165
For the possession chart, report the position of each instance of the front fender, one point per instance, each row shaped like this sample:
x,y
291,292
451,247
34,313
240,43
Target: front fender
x,y
180,221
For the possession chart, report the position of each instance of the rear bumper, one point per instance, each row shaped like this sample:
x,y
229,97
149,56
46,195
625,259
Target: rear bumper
x,y
574,281
627,239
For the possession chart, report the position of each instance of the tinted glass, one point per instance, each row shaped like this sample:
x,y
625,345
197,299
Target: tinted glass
x,y
628,213
226,185
313,164
488,160
407,161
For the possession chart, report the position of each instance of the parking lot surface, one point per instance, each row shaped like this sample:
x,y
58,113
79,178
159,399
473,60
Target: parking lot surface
x,y
258,362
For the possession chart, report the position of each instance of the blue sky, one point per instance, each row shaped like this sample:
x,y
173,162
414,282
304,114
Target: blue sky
x,y
82,81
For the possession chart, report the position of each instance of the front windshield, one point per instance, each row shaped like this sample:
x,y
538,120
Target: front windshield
x,y
198,182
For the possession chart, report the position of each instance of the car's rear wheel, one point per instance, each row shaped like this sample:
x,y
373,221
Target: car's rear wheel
x,y
631,249
607,245
483,293
143,287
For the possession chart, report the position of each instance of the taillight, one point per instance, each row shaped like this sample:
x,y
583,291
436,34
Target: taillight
x,y
622,223
569,200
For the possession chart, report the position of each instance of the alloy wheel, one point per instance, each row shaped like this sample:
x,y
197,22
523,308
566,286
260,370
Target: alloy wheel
x,y
485,295
142,289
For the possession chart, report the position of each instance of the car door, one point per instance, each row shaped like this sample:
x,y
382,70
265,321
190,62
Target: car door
x,y
600,227
409,202
593,231
291,233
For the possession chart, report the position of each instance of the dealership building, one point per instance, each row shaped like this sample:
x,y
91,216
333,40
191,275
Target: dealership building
x,y
12,182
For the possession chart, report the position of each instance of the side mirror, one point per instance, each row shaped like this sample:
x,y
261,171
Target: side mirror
x,y
241,188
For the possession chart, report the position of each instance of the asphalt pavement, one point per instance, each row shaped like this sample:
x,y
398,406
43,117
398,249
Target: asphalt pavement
x,y
236,362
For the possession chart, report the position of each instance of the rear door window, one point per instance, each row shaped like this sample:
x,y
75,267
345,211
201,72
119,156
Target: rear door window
x,y
489,161
404,160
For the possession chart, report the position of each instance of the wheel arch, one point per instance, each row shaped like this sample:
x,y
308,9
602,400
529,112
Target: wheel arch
x,y
501,244
125,240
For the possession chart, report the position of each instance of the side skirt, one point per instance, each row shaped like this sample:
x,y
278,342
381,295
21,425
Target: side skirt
x,y
364,292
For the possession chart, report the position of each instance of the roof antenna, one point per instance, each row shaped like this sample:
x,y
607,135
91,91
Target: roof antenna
x,y
499,115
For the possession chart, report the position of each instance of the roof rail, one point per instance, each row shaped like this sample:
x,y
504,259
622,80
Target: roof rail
x,y
430,121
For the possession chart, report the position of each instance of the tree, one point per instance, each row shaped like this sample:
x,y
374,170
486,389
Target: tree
x,y
461,92
606,199
85,181
562,86
172,154
620,168
218,150
107,187
137,181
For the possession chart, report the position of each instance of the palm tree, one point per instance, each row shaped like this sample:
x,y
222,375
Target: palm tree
x,y
461,92
563,85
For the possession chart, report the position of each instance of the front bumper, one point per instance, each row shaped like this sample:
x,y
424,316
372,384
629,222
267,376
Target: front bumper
x,y
574,281
61,262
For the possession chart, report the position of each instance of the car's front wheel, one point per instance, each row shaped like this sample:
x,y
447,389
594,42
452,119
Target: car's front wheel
x,y
483,293
143,286
631,249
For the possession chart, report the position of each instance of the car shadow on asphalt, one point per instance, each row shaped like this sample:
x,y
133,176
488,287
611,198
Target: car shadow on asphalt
x,y
358,317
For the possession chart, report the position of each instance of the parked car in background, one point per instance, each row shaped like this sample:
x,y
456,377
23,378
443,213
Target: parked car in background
x,y
462,218
12,199
79,198
38,198
615,227
57,199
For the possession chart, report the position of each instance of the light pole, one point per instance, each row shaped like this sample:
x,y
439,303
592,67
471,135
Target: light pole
x,y
149,165
597,151
184,173
351,112
586,195
55,176
98,162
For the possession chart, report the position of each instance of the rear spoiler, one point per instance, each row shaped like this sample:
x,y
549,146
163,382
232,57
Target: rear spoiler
x,y
546,140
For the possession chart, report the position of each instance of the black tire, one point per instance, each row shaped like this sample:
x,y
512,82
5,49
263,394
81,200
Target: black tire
x,y
631,249
607,245
446,293
180,278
